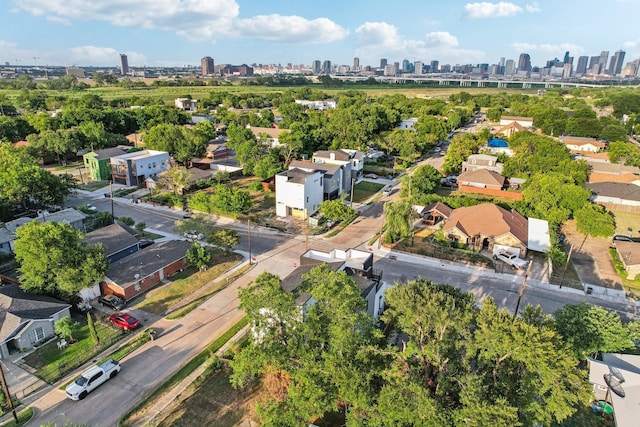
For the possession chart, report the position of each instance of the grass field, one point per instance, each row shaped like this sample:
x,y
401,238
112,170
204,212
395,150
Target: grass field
x,y
626,221
168,94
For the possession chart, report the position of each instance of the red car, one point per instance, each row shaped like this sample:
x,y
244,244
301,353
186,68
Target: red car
x,y
124,320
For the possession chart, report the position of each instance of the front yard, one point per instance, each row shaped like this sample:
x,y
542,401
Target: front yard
x,y
52,363
365,189
188,282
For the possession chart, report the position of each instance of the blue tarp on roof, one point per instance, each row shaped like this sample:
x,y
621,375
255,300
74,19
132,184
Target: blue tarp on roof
x,y
497,142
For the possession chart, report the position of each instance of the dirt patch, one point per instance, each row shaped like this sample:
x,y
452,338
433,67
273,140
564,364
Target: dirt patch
x,y
214,403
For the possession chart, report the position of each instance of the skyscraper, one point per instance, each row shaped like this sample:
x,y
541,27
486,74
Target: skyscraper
x,y
383,62
316,66
207,66
356,64
581,69
417,67
326,67
124,64
524,63
565,60
405,66
510,67
615,67
604,56
435,66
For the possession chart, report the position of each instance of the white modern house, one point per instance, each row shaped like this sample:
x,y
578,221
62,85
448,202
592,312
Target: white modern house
x,y
408,124
299,192
186,104
133,169
353,160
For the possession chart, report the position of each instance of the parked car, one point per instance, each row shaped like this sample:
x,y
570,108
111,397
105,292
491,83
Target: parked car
x,y
193,235
143,243
111,301
187,214
91,379
622,238
437,149
510,258
371,176
125,321
387,191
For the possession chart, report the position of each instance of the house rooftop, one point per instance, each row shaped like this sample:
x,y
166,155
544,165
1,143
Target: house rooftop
x,y
297,176
340,155
488,219
620,190
5,235
68,215
19,307
271,132
324,167
482,176
139,154
107,153
114,237
146,262
629,252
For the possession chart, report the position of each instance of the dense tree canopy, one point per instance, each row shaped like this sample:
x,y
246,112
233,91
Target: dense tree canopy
x,y
454,364
53,259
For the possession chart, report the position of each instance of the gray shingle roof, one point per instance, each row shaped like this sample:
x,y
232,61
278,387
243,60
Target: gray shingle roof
x,y
68,215
615,189
146,261
18,306
114,237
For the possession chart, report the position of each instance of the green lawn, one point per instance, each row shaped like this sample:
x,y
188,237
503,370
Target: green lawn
x,y
23,417
94,185
52,363
626,221
365,189
186,283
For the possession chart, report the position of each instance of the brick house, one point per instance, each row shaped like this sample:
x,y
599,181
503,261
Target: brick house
x,y
137,273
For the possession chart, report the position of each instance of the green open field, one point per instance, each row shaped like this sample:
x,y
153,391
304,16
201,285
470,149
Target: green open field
x,y
168,94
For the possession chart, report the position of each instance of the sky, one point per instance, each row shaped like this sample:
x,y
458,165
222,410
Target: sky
x,y
181,32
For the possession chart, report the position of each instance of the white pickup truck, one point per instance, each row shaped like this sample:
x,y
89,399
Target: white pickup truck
x,y
511,259
91,379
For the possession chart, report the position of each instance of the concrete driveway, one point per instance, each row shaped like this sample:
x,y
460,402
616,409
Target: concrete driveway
x,y
591,261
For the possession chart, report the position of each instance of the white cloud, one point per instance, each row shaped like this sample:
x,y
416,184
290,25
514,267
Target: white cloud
x,y
290,29
491,10
79,55
548,48
380,39
58,20
195,20
533,7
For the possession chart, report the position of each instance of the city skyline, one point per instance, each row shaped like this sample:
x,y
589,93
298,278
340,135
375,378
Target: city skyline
x,y
159,33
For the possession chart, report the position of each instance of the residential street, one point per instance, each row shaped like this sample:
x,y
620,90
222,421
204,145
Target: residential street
x,y
182,339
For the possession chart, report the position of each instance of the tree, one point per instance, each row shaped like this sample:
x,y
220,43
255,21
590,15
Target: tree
x,y
177,178
101,219
397,217
594,220
92,329
53,259
66,327
422,183
140,226
460,148
589,329
223,238
198,256
337,210
126,220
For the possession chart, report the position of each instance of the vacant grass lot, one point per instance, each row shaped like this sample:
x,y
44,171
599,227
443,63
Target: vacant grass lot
x,y
190,281
214,403
365,189
626,221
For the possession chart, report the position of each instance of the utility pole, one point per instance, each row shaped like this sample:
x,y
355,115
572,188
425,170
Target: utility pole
x,y
524,284
381,225
111,197
564,271
353,180
249,239
5,387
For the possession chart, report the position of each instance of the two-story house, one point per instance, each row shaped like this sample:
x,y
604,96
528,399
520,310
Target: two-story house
x,y
333,183
186,104
299,192
133,169
482,161
352,160
98,162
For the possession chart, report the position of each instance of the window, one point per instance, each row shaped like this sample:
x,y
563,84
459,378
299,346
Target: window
x,y
136,287
307,199
321,180
37,334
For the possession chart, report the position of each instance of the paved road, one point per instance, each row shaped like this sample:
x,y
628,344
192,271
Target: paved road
x,y
181,340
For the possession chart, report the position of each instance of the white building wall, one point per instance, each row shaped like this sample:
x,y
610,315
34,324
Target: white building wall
x,y
301,196
152,165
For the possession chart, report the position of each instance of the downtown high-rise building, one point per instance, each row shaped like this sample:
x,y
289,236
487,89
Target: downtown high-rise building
x,y
124,64
510,67
435,66
405,66
417,67
356,64
207,66
326,67
615,66
316,67
383,62
581,68
524,62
